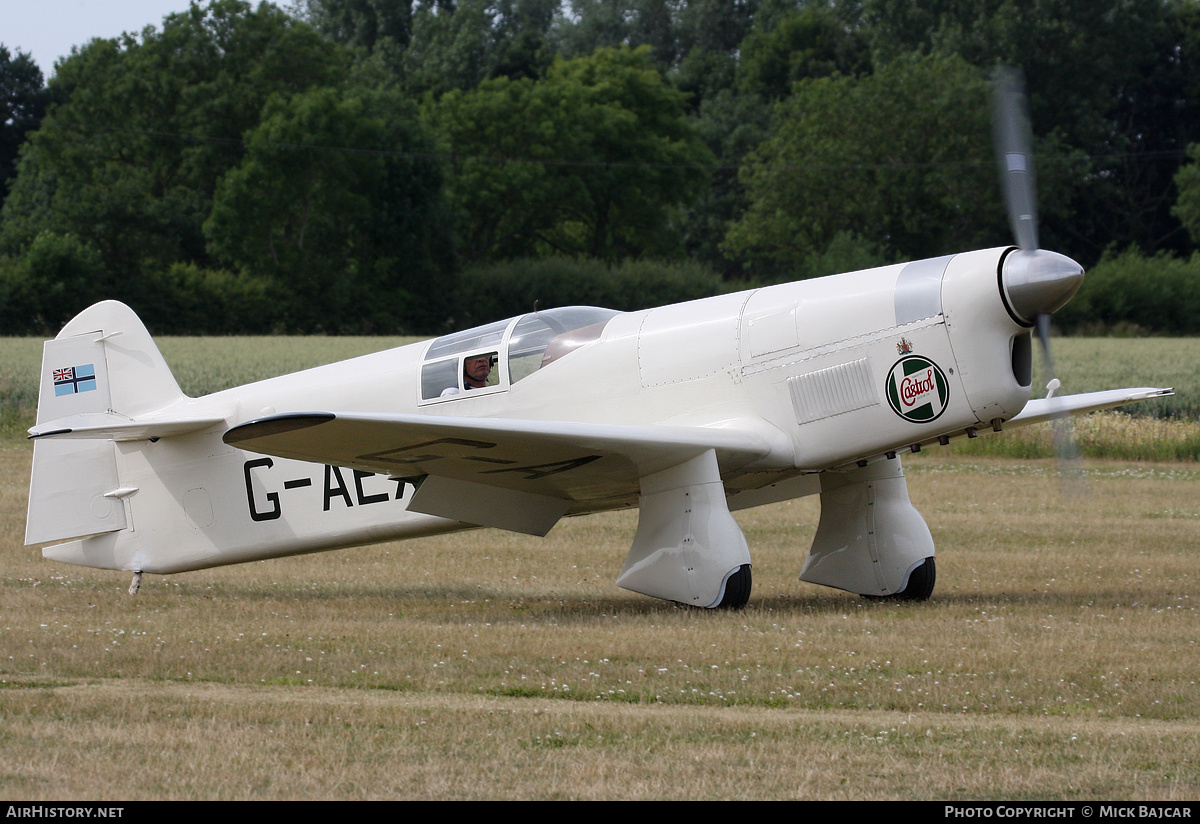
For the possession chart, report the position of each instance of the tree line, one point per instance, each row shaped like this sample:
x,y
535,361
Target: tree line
x,y
411,166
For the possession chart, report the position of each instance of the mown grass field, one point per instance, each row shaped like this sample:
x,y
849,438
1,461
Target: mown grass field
x,y
1057,659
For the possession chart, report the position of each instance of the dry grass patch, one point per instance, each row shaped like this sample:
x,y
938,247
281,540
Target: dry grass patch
x,y
1055,660
1107,435
134,740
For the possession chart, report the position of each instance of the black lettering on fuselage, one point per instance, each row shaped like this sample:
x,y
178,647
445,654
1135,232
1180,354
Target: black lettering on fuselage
x,y
338,491
273,497
366,499
268,506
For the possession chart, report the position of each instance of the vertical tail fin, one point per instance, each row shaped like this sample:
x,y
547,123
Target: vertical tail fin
x,y
102,373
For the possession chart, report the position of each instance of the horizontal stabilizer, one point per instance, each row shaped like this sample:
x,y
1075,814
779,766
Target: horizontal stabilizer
x,y
1046,409
107,426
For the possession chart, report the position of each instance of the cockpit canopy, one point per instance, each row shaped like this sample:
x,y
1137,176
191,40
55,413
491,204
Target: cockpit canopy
x,y
514,348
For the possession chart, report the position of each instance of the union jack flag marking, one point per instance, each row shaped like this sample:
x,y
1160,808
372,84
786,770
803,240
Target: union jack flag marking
x,y
74,379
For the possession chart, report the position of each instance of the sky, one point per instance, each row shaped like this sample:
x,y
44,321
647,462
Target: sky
x,y
47,29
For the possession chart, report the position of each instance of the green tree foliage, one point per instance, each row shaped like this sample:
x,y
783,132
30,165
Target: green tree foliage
x,y
438,45
22,102
1187,207
239,156
854,156
783,47
367,24
337,200
593,160
811,42
1116,80
478,40
731,125
130,158
248,120
611,24
695,42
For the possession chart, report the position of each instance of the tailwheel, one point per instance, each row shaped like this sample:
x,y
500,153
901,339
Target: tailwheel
x,y
737,589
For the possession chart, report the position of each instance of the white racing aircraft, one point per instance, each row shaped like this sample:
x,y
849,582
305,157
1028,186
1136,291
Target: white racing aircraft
x,y
687,412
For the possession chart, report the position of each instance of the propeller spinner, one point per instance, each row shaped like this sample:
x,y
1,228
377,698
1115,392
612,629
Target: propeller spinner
x,y
1033,281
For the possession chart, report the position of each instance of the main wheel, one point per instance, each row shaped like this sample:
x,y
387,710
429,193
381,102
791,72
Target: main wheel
x,y
920,582
737,589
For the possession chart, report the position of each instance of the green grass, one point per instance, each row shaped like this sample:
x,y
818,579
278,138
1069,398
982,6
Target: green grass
x,y
1162,429
1094,364
1112,435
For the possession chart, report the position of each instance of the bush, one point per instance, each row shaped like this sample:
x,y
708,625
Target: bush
x,y
189,300
1130,293
57,277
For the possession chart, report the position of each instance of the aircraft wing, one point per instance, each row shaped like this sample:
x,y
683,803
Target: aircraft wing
x,y
515,474
1045,409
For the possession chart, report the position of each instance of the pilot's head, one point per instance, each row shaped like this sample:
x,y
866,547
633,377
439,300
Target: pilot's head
x,y
476,371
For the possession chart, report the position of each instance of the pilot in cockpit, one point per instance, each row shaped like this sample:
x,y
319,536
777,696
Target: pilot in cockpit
x,y
476,371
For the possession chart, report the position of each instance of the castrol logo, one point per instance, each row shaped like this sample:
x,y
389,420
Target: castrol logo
x,y
917,389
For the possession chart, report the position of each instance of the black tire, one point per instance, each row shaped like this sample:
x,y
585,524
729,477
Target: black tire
x,y
920,582
737,589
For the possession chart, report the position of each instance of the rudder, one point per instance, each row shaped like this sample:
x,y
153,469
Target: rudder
x,y
102,372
